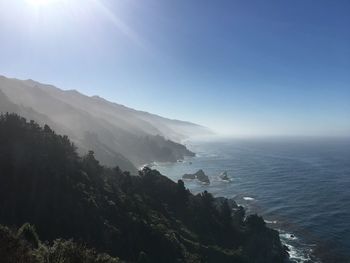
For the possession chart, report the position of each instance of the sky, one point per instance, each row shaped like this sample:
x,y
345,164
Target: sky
x,y
242,68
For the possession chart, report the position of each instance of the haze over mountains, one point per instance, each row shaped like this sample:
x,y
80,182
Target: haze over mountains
x,y
117,134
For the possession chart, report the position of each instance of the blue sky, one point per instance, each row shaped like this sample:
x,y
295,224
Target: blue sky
x,y
240,67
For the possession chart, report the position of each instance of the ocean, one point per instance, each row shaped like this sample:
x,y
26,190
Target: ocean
x,y
301,186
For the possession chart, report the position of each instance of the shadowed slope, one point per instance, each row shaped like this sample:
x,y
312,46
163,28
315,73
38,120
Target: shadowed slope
x,y
43,181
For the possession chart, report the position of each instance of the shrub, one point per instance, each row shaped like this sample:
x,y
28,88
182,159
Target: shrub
x,y
28,233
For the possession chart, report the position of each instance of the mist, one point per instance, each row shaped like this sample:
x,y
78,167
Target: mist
x,y
117,134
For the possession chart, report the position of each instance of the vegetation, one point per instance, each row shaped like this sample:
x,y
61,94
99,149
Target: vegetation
x,y
17,249
145,218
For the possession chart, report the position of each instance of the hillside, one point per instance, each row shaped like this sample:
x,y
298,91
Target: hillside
x,y
115,133
144,218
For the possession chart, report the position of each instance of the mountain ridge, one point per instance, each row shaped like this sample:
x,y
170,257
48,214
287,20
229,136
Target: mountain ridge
x,y
116,133
96,96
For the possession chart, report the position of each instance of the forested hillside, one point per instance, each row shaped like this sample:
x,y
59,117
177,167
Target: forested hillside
x,y
144,218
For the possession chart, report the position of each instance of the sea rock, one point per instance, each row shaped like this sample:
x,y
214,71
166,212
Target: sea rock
x,y
189,176
199,175
224,176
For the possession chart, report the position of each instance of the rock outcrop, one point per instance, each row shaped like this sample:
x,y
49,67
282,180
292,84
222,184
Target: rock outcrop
x,y
199,175
224,176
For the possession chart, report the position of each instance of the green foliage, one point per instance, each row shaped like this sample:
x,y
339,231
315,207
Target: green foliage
x,y
63,251
226,213
13,249
136,218
255,222
16,249
28,233
143,258
238,216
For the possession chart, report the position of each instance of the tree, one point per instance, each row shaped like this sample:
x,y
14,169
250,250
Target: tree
x,y
255,222
226,213
28,233
207,199
92,167
238,216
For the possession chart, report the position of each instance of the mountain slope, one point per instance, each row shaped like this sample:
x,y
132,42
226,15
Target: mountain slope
x,y
116,133
145,218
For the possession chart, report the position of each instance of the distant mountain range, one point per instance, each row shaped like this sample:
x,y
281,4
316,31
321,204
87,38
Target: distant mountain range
x,y
117,134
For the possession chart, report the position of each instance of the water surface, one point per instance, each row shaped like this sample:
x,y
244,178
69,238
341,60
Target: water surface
x,y
301,187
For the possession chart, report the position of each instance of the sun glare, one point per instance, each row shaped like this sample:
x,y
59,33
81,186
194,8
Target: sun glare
x,y
40,2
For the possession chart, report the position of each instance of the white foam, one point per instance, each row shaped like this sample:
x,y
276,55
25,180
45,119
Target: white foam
x,y
288,236
270,222
247,198
224,181
295,255
242,205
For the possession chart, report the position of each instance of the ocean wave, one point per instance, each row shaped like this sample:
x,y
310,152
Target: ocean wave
x,y
288,236
248,198
296,255
207,155
270,222
224,180
298,252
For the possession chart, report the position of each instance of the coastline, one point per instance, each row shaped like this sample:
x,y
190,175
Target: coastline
x,y
287,237
282,181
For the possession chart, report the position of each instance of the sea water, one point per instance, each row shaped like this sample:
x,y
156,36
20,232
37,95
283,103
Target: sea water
x,y
301,186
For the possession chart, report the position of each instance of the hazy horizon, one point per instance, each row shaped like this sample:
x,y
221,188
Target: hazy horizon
x,y
241,69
